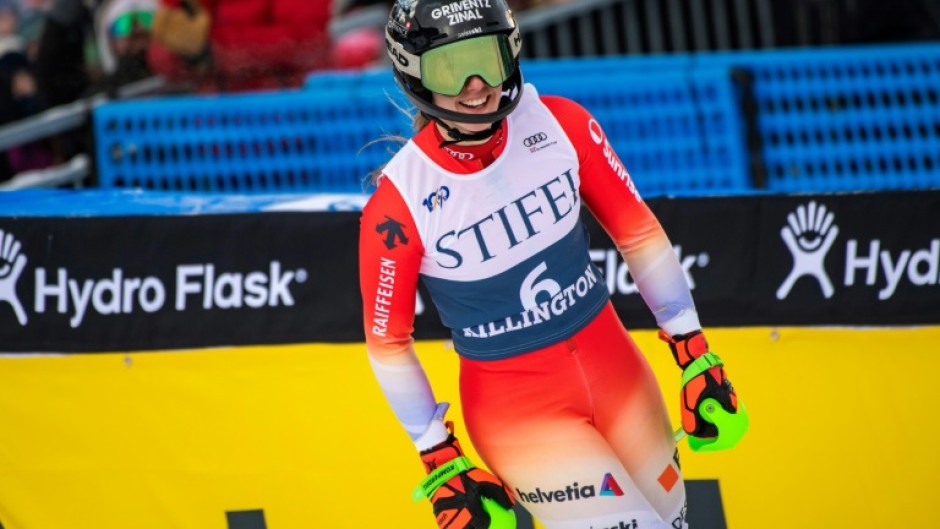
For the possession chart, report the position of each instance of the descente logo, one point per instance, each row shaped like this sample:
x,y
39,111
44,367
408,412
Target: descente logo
x,y
196,286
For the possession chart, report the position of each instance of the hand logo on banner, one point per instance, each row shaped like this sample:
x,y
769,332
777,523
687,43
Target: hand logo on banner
x,y
809,235
12,263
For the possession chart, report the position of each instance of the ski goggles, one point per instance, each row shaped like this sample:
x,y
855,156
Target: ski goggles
x,y
124,24
446,69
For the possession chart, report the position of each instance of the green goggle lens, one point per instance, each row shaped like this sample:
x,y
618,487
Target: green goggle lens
x,y
124,24
445,70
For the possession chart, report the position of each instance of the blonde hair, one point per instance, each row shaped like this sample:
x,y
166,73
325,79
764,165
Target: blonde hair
x,y
419,120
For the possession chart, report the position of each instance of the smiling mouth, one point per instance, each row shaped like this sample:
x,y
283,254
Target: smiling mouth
x,y
475,103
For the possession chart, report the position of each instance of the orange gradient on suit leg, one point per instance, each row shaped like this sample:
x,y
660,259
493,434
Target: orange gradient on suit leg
x,y
562,421
634,419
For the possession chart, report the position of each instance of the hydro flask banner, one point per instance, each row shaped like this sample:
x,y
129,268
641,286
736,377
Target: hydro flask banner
x,y
167,282
848,259
164,282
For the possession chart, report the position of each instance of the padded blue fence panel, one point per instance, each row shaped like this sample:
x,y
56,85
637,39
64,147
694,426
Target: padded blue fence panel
x,y
839,119
676,131
828,119
847,120
249,142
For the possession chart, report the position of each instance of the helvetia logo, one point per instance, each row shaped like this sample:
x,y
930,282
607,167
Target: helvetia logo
x,y
809,235
573,492
610,487
12,263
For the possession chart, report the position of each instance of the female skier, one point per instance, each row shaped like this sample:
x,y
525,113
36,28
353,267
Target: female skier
x,y
483,205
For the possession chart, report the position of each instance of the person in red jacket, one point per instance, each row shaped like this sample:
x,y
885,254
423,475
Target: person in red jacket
x,y
252,45
483,206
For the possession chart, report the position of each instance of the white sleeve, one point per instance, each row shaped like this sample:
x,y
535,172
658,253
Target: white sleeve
x,y
407,390
663,286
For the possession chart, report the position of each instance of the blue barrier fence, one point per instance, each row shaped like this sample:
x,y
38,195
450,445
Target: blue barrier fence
x,y
846,119
808,120
127,202
248,142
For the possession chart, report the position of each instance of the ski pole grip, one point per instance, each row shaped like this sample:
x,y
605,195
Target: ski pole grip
x,y
699,366
731,427
439,476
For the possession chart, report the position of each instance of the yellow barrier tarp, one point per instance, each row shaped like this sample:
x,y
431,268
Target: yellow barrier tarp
x,y
841,434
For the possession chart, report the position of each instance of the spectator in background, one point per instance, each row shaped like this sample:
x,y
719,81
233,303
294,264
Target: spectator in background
x,y
896,21
61,70
251,44
10,40
18,100
18,94
363,45
122,31
522,5
359,48
31,25
348,6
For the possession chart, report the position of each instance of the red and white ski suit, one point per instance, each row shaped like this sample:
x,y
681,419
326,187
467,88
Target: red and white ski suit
x,y
557,399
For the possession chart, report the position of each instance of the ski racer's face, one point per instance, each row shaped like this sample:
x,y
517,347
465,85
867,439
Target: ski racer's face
x,y
476,97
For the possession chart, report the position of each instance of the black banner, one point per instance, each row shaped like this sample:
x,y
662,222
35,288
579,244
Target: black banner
x,y
846,259
165,282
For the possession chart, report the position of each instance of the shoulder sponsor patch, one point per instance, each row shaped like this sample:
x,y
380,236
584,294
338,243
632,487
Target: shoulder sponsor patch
x,y
393,232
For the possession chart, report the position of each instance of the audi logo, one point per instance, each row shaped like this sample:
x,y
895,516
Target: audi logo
x,y
532,140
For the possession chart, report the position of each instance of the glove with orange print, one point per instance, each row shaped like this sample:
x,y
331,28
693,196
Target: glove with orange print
x,y
463,496
702,378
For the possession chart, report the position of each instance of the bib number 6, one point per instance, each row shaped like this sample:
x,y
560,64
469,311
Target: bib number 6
x,y
532,286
